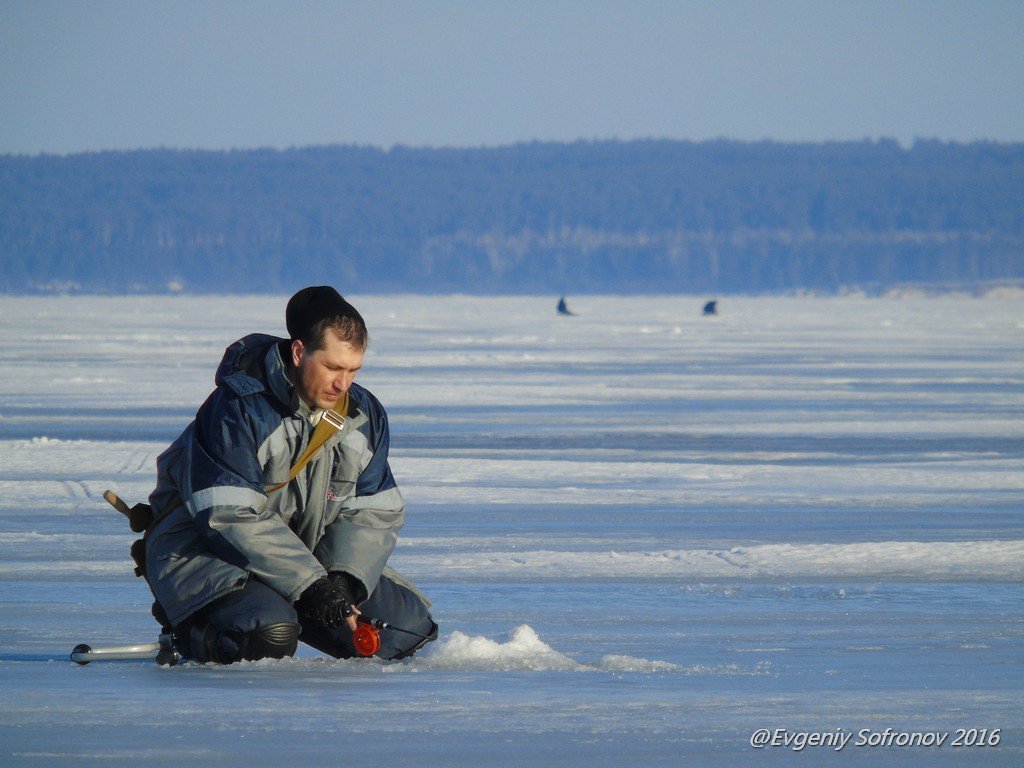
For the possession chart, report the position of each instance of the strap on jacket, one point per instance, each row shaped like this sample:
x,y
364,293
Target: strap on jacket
x,y
329,423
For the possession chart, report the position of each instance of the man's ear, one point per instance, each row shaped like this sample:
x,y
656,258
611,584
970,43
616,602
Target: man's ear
x,y
297,350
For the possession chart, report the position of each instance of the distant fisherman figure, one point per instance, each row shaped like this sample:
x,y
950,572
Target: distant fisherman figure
x,y
252,550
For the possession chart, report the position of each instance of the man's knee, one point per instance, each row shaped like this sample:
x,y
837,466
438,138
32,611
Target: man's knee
x,y
403,651
204,642
401,606
248,624
272,641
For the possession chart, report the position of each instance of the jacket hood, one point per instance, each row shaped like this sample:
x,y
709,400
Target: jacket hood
x,y
251,365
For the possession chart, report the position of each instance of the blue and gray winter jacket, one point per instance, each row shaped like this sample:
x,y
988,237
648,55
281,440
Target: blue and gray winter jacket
x,y
221,527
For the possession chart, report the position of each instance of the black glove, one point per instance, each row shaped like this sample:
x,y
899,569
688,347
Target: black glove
x,y
355,586
326,601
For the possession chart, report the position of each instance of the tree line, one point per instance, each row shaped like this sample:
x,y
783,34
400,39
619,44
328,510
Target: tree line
x,y
618,217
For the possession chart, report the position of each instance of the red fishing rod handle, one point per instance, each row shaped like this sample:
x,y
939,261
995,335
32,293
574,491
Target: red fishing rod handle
x,y
366,639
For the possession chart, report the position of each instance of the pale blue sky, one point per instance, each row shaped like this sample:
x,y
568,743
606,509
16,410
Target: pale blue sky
x,y
114,75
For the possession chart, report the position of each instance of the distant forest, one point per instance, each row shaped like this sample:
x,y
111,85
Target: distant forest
x,y
598,217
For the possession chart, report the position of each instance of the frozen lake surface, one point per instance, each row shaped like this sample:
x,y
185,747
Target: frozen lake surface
x,y
647,535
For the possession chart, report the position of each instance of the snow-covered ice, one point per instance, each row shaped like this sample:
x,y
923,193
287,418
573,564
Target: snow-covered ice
x,y
647,533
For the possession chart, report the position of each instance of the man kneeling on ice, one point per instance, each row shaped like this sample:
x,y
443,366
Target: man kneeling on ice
x,y
256,544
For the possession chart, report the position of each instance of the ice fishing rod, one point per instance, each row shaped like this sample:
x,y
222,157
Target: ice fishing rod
x,y
366,636
381,624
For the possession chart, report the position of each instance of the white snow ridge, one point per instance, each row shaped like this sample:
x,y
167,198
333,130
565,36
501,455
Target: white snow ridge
x,y
524,651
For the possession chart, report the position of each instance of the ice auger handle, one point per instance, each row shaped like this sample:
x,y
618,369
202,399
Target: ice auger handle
x,y
117,503
139,517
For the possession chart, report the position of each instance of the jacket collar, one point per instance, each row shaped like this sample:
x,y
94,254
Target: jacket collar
x,y
255,364
277,377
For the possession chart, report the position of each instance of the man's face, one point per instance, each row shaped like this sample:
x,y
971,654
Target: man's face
x,y
326,374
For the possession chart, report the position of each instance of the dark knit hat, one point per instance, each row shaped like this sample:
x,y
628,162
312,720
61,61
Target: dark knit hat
x,y
311,305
